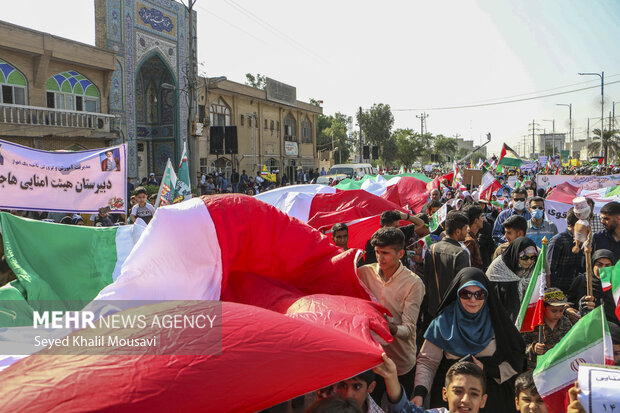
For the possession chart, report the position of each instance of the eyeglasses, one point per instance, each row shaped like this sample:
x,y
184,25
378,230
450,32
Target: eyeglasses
x,y
479,295
530,258
536,207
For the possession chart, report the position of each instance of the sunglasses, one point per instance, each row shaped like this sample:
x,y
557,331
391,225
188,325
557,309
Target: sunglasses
x,y
530,258
479,295
519,199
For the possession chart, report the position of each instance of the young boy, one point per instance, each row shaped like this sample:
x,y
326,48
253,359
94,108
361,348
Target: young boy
x,y
142,209
102,219
401,292
359,388
527,399
465,389
556,326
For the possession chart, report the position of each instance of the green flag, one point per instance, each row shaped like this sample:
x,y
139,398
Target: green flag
x,y
167,186
183,189
438,218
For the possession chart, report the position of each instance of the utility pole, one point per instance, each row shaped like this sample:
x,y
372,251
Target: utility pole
x,y
422,118
534,124
360,125
191,94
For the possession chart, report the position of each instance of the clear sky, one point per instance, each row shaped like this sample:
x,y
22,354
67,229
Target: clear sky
x,y
409,54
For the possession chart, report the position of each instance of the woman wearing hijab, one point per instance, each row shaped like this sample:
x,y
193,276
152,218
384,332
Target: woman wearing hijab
x,y
472,324
510,273
576,294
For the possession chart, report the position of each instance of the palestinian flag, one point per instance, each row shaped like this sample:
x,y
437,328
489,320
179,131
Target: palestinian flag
x,y
485,166
509,157
588,341
610,278
533,304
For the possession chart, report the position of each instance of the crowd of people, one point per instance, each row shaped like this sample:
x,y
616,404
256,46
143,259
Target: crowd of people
x,y
453,298
454,302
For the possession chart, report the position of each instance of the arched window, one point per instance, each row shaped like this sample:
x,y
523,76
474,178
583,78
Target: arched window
x,y
272,165
13,85
290,128
72,91
219,113
306,130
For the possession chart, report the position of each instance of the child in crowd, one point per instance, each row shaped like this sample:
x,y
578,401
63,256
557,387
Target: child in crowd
x,y
556,326
102,219
527,399
359,388
143,209
465,389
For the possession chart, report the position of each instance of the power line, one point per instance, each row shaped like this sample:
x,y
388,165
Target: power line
x,y
546,90
268,26
504,102
234,25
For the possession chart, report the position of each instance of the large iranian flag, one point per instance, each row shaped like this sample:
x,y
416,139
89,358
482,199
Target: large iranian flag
x,y
509,157
588,341
61,263
610,279
533,304
488,186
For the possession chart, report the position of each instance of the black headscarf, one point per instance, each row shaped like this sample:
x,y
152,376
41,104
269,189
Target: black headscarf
x,y
508,340
511,255
603,253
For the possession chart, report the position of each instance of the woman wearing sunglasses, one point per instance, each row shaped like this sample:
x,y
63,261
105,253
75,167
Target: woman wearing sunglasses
x,y
510,273
471,325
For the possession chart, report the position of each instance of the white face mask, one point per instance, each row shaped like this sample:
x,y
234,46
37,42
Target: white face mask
x,y
519,205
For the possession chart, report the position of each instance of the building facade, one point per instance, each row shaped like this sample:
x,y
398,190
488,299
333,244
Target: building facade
x,y
54,91
273,128
149,88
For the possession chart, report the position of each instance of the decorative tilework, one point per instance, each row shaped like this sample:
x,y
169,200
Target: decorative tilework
x,y
72,82
116,89
9,75
122,37
150,18
147,44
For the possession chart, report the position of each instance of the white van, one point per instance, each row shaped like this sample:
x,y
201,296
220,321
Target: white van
x,y
352,170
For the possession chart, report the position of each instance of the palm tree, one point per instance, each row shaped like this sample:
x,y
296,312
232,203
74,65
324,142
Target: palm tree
x,y
610,141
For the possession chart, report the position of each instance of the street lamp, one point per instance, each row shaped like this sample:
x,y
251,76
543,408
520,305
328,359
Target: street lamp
x,y
553,133
602,76
570,124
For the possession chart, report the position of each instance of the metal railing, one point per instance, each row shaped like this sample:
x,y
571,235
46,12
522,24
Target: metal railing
x,y
39,116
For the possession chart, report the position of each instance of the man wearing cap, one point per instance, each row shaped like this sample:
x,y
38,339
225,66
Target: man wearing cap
x,y
583,303
555,328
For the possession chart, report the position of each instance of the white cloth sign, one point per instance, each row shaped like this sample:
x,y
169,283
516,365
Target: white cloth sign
x,y
583,181
599,388
82,182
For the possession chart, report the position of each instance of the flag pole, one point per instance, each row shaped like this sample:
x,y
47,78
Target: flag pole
x,y
587,250
540,327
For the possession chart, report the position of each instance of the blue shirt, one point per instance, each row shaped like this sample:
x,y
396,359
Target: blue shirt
x,y
536,234
498,230
405,406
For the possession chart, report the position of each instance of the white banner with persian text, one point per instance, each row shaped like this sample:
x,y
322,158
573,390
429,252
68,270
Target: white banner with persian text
x,y
82,182
582,181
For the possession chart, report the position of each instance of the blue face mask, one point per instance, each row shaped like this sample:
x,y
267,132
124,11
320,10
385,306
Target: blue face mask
x,y
537,214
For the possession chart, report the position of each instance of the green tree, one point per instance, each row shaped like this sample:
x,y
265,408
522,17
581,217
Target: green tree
x,y
259,81
610,142
376,123
445,147
332,135
409,146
